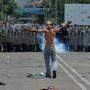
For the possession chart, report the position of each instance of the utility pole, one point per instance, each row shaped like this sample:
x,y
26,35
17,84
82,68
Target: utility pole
x,y
2,10
56,16
50,9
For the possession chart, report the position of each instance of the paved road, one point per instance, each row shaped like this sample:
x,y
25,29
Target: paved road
x,y
73,74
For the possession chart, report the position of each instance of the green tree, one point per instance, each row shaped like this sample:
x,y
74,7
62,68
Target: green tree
x,y
7,8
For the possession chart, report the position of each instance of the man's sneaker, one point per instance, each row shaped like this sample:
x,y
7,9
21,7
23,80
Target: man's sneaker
x,y
54,74
1,83
47,75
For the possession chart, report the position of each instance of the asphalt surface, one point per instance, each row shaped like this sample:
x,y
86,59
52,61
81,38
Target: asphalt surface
x,y
72,74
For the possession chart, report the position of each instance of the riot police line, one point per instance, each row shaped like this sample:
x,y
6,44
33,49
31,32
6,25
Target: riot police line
x,y
79,38
13,39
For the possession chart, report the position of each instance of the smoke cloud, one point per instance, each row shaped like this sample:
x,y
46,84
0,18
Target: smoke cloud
x,y
59,47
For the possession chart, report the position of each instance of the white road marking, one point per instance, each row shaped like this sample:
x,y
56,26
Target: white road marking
x,y
76,82
73,70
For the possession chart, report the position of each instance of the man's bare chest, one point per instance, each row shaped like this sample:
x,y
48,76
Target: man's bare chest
x,y
50,33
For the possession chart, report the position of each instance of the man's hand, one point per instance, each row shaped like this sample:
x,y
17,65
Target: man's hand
x,y
69,22
24,30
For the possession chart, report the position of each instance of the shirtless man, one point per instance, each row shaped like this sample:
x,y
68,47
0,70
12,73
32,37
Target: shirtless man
x,y
49,50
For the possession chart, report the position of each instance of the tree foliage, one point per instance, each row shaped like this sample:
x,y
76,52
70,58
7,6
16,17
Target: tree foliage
x,y
7,8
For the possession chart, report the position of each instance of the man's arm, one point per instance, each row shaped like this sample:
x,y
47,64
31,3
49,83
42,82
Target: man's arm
x,y
31,30
63,26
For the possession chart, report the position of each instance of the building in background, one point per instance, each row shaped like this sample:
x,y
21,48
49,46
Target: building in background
x,y
32,11
78,13
29,3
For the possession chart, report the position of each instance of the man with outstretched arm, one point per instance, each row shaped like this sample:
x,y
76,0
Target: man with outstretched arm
x,y
49,50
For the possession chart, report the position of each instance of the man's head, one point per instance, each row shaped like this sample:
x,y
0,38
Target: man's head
x,y
49,25
63,25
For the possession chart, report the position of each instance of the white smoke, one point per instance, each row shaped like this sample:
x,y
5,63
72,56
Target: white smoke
x,y
59,47
42,43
